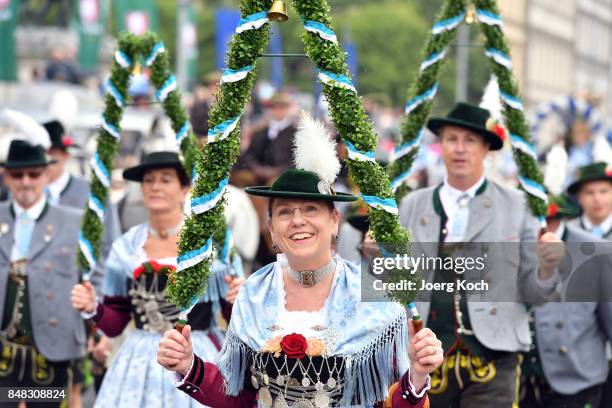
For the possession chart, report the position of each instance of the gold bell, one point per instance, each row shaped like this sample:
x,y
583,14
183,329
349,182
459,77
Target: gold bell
x,y
278,11
470,16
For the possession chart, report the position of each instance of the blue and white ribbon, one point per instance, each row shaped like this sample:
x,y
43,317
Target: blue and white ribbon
x,y
227,246
341,81
192,258
405,148
204,203
87,251
521,144
168,86
512,101
399,180
533,188
412,307
222,130
499,57
111,129
432,59
235,75
114,92
252,22
448,24
385,204
321,30
100,170
157,49
417,100
543,222
356,154
183,312
489,18
182,133
194,176
96,206
122,59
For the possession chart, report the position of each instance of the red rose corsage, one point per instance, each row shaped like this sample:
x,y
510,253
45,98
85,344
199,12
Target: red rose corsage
x,y
553,209
153,267
294,346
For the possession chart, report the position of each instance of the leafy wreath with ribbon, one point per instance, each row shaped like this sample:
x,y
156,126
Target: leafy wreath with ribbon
x,y
424,89
218,156
130,49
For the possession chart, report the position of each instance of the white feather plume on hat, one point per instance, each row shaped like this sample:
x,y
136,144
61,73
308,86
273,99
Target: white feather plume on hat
x,y
64,107
556,169
491,99
602,152
315,150
27,128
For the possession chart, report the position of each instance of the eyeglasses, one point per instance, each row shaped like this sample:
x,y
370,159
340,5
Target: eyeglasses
x,y
33,174
307,211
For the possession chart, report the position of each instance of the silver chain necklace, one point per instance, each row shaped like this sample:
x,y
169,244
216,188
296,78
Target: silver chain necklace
x,y
310,278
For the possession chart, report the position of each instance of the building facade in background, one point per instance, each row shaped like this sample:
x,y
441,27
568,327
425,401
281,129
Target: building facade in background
x,y
561,48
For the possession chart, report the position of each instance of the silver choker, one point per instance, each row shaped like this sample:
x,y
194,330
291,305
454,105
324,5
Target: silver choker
x,y
165,232
310,278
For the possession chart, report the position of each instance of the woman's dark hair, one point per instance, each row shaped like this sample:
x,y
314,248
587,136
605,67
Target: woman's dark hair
x,y
180,172
330,205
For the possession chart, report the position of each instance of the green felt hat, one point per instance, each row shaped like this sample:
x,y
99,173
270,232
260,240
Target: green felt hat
x,y
592,172
56,134
297,183
22,154
559,207
473,118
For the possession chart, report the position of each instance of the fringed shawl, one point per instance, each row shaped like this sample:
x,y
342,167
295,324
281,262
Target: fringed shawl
x,y
371,337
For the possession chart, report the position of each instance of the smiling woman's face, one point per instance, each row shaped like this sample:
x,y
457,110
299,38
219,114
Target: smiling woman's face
x,y
303,230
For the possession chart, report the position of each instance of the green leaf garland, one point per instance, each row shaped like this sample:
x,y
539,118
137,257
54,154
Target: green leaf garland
x,y
130,48
496,45
349,118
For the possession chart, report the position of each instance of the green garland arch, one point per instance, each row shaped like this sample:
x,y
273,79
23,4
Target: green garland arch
x,y
130,48
423,90
221,152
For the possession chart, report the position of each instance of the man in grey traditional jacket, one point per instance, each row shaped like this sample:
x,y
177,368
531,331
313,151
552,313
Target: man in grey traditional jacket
x,y
40,332
484,330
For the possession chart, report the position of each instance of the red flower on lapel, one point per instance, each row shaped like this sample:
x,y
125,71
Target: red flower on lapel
x,y
294,345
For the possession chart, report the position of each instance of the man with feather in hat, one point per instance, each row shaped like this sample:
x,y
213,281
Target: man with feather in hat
x,y
483,332
40,333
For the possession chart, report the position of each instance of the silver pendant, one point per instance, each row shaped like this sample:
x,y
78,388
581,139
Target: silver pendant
x,y
302,404
266,379
265,397
305,382
254,382
321,400
280,380
331,383
319,386
280,402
